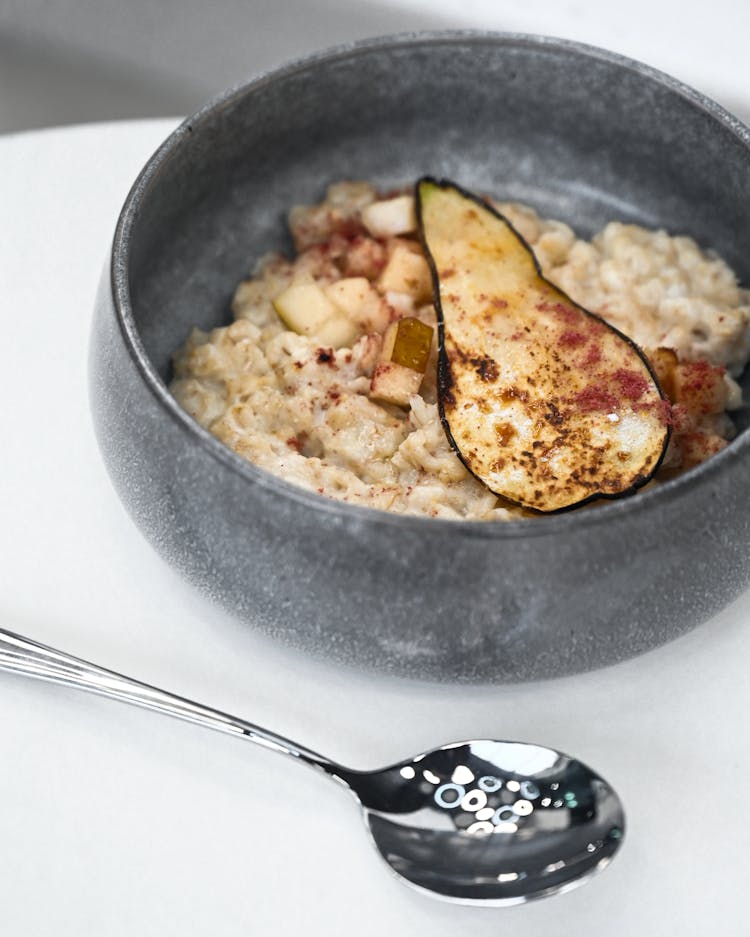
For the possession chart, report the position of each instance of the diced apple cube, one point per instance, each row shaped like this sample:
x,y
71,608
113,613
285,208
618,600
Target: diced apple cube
x,y
390,217
407,272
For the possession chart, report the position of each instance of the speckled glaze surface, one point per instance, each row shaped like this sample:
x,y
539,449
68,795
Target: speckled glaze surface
x,y
582,135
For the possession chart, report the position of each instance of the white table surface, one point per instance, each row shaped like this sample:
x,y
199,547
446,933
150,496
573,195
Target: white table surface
x,y
116,821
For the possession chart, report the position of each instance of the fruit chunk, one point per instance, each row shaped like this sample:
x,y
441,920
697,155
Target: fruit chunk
x,y
543,401
406,272
390,217
411,343
402,362
360,302
700,386
304,308
664,362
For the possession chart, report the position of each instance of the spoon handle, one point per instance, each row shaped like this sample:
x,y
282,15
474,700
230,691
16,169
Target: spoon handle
x,y
21,655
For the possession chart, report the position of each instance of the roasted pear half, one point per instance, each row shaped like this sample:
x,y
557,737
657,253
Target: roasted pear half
x,y
544,402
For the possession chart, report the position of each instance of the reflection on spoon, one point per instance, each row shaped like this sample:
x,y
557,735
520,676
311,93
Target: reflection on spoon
x,y
491,822
478,822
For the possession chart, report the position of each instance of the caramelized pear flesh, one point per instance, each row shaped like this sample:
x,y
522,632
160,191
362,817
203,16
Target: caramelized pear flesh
x,y
543,401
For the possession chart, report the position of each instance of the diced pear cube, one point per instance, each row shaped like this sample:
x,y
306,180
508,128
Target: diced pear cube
x,y
664,362
393,380
412,343
394,383
389,340
402,303
407,272
390,217
304,308
338,332
700,386
356,298
349,294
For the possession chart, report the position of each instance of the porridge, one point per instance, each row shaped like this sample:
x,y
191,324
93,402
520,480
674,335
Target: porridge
x,y
307,384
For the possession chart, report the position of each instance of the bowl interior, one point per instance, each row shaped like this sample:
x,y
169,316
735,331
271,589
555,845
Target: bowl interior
x,y
580,135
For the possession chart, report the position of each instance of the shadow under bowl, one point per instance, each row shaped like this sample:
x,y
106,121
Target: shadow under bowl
x,y
582,135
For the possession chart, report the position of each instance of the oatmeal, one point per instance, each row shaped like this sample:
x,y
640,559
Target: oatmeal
x,y
306,382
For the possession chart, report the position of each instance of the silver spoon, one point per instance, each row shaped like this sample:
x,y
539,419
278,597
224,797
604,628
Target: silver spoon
x,y
479,822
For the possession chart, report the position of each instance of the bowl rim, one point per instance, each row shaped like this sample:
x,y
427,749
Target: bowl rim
x,y
606,509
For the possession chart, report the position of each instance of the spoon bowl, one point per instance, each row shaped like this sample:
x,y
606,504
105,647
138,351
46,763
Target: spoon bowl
x,y
477,822
491,822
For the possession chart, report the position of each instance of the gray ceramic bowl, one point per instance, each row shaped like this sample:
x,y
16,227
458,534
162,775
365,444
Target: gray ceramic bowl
x,y
582,135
